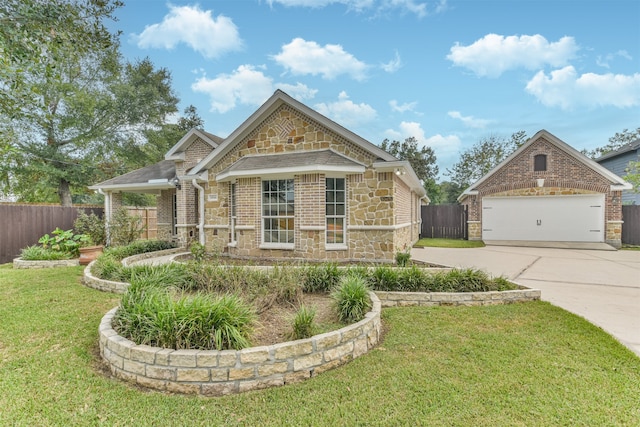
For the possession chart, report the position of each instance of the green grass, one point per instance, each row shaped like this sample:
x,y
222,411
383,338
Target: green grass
x,y
448,243
522,364
630,248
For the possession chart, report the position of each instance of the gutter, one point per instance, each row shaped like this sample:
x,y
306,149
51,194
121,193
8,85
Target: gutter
x,y
201,236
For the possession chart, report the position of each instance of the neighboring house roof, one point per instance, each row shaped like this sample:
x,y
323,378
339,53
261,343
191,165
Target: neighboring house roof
x,y
302,161
274,102
614,179
149,178
177,151
632,146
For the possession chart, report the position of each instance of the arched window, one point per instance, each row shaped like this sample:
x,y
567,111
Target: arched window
x,y
540,163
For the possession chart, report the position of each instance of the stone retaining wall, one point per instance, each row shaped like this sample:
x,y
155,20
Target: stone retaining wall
x,y
215,373
21,263
428,299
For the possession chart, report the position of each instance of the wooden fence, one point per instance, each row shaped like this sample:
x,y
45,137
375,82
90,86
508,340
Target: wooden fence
x,y
149,217
631,225
444,221
22,225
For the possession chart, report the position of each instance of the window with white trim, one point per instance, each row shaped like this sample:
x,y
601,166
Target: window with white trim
x,y
278,209
232,230
335,210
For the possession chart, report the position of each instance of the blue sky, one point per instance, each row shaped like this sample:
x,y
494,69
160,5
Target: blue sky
x,y
446,72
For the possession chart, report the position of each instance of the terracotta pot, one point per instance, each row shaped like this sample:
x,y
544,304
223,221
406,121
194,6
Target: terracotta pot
x,y
89,253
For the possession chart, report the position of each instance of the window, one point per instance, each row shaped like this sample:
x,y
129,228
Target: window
x,y
277,211
174,214
335,210
540,163
232,231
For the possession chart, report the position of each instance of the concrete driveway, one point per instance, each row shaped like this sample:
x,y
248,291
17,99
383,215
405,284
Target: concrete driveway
x,y
601,286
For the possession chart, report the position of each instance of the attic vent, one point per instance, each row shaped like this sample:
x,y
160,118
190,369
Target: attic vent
x,y
284,128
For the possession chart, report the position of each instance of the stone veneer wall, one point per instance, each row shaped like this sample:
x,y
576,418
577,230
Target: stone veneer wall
x,y
165,218
21,263
430,299
565,175
214,373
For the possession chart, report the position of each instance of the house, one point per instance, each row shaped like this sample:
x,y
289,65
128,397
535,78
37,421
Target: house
x,y
546,191
287,183
618,161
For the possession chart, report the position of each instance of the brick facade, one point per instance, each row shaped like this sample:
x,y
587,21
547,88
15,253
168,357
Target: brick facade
x,y
565,175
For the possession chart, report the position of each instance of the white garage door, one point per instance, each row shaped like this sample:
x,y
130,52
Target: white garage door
x,y
578,218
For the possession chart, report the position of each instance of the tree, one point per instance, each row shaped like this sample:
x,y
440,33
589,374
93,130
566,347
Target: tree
x,y
483,156
80,108
423,162
615,142
35,34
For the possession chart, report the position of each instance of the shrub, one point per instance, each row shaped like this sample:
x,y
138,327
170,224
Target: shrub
x,y
64,241
352,299
91,225
124,228
412,279
198,250
151,315
38,253
302,323
403,259
321,278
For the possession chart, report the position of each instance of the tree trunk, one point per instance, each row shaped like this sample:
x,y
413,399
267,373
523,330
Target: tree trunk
x,y
64,192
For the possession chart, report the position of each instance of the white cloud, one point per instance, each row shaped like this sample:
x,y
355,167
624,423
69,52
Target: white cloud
x,y
494,54
603,61
346,112
299,91
469,121
210,36
445,147
246,85
302,57
393,65
564,88
412,6
407,106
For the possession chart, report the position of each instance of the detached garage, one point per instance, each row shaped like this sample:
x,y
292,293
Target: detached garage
x,y
546,191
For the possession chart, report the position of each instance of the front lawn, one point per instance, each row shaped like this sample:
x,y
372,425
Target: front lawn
x,y
448,243
521,364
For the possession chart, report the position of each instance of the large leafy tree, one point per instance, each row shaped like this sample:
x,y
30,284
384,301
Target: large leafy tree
x,y
483,156
617,141
77,105
422,160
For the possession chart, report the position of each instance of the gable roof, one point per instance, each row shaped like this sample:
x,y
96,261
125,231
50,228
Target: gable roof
x,y
276,100
177,151
614,179
148,178
300,161
632,146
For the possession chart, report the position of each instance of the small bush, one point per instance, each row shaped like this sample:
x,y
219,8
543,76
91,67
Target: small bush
x,y
64,241
302,324
403,259
321,278
38,253
352,299
108,267
124,228
91,225
198,250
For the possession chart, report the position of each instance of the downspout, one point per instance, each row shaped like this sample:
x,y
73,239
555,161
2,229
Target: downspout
x,y
107,212
201,236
